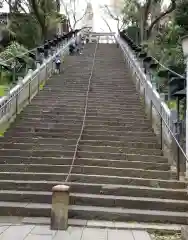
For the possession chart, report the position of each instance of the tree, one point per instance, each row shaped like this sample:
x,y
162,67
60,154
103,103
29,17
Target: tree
x,y
142,14
28,16
24,25
46,14
73,15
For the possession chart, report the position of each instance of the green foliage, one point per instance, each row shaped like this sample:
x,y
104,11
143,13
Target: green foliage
x,y
181,15
28,32
166,47
14,49
3,90
8,56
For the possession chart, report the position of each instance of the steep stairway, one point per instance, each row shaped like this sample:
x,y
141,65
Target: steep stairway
x,y
119,173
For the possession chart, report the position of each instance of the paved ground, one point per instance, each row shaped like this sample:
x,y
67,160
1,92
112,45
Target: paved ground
x,y
24,228
37,232
19,228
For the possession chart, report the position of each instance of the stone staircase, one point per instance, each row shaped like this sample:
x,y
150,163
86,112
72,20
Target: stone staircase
x,y
119,173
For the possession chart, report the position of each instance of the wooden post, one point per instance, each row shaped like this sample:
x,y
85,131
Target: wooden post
x,y
60,204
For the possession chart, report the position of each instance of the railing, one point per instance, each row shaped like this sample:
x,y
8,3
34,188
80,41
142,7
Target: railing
x,y
26,89
102,37
157,111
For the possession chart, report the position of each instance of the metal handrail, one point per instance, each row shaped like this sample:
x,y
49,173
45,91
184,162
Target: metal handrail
x,y
176,141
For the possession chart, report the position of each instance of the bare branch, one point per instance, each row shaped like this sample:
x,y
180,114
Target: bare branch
x,y
78,20
107,24
71,13
146,12
116,18
16,4
110,13
162,15
67,14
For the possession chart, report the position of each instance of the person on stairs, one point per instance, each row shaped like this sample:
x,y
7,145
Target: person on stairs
x,y
58,64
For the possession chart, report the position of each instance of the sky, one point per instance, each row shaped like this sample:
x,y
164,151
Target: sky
x,y
99,25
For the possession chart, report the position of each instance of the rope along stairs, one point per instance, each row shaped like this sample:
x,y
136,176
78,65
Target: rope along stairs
x,y
87,128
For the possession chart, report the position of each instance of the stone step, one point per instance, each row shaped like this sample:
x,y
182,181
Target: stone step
x,y
85,199
92,212
120,214
80,100
69,120
56,138
81,85
121,144
52,113
151,191
58,126
71,96
112,107
127,157
79,112
80,154
26,143
82,148
66,92
122,202
77,129
71,117
48,169
88,162
132,157
66,142
118,94
71,133
86,137
109,149
98,100
87,178
79,108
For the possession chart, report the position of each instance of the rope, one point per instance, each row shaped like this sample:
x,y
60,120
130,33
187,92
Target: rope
x,y
168,69
85,113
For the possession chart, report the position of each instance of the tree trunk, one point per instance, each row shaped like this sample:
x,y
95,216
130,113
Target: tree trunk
x,y
58,5
163,14
10,6
40,16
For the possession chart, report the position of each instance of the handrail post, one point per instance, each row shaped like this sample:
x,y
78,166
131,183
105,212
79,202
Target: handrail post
x,y
178,138
29,91
178,160
16,104
151,112
161,131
